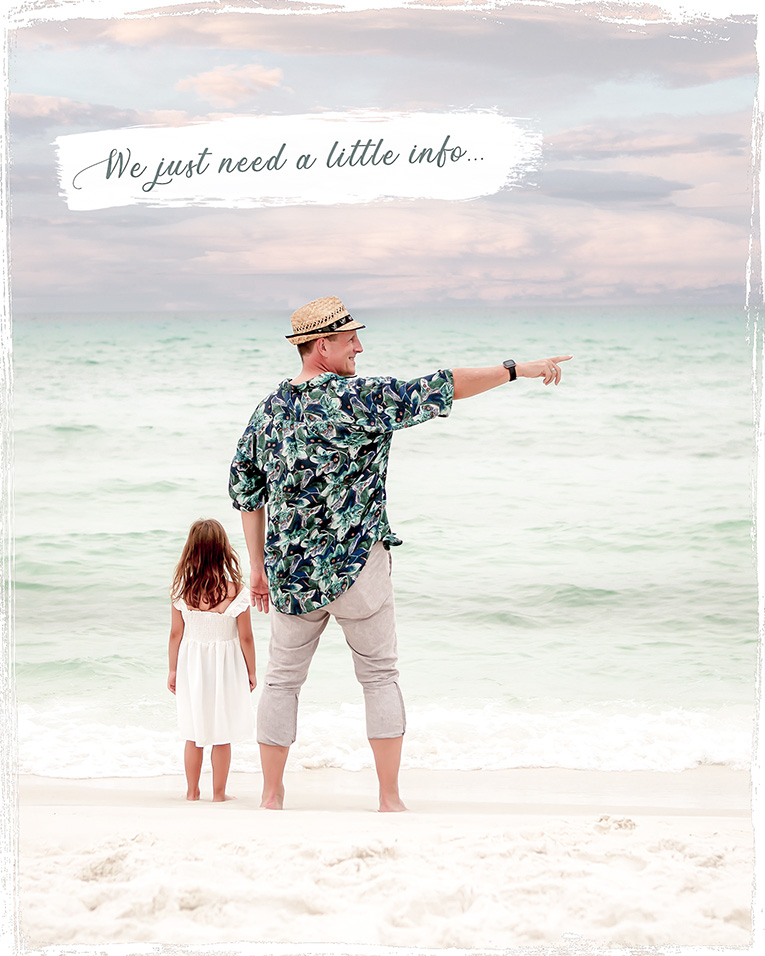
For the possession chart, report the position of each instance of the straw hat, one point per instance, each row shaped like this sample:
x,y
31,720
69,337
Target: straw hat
x,y
320,318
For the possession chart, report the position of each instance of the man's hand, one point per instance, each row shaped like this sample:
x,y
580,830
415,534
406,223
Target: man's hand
x,y
259,589
542,368
253,682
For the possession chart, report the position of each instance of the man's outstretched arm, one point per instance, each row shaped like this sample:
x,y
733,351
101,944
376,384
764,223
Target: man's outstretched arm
x,y
473,381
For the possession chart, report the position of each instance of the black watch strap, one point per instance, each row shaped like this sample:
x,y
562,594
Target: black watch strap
x,y
510,366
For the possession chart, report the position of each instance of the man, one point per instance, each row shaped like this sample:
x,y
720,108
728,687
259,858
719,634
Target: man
x,y
316,450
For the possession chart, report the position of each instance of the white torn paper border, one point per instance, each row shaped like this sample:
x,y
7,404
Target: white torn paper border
x,y
26,12
317,158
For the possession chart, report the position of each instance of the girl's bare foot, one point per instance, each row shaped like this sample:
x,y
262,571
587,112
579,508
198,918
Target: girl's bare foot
x,y
192,794
220,797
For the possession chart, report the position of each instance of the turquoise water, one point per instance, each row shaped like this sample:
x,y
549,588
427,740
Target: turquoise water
x,y
577,584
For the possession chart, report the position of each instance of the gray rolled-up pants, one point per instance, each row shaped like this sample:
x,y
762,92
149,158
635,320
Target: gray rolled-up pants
x,y
366,614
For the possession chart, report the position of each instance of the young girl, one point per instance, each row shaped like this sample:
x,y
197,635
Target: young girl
x,y
212,653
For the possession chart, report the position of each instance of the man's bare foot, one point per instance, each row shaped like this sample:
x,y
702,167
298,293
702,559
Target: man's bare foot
x,y
274,801
219,798
192,794
392,804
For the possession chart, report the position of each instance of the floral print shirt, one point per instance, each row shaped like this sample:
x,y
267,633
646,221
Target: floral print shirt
x,y
317,452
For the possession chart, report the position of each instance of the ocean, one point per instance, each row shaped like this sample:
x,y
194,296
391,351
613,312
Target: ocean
x,y
577,584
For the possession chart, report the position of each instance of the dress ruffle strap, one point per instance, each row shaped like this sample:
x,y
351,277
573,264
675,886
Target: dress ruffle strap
x,y
240,603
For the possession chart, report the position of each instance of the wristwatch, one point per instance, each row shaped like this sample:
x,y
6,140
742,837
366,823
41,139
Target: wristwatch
x,y
510,366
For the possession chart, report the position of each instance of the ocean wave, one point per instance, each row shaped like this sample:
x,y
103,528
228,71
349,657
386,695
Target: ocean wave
x,y
55,429
52,743
84,540
62,672
572,595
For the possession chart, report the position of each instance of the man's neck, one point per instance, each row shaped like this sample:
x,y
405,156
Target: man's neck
x,y
308,372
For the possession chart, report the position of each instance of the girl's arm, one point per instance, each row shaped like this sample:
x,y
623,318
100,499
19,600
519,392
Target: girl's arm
x,y
247,644
176,636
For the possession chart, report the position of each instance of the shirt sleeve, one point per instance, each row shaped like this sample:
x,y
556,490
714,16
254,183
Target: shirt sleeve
x,y
390,403
247,482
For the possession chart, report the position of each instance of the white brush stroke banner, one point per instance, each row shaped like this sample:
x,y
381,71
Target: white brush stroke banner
x,y
324,158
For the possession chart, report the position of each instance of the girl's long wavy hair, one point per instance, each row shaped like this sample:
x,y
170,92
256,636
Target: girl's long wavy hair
x,y
208,563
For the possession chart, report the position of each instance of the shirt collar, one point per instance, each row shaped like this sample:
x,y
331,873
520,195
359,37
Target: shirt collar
x,y
312,382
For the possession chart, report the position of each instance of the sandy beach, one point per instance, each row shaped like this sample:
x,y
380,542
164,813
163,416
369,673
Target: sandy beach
x,y
483,860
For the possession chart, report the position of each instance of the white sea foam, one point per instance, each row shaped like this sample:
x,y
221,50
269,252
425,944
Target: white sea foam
x,y
437,738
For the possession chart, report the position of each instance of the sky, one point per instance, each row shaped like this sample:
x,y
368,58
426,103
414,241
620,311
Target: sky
x,y
643,196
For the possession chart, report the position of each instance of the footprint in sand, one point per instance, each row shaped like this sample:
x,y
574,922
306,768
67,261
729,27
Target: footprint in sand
x,y
606,823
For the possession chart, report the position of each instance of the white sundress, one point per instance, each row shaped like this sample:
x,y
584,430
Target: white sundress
x,y
212,688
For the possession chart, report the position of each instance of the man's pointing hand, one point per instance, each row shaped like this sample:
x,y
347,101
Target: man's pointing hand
x,y
542,368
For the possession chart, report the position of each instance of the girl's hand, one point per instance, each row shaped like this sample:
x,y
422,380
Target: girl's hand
x,y
171,682
253,682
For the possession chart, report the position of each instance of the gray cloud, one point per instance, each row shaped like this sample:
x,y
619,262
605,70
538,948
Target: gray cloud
x,y
393,253
601,142
31,114
36,178
605,187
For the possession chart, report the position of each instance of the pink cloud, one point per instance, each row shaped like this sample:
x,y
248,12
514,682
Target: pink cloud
x,y
43,111
539,45
437,252
227,86
394,255
27,106
656,135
